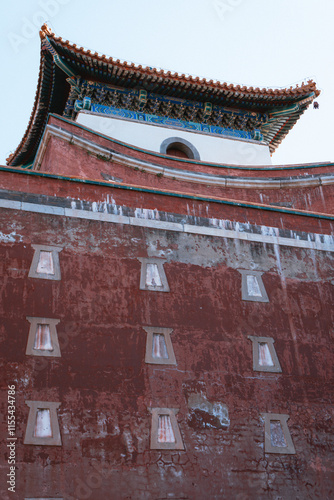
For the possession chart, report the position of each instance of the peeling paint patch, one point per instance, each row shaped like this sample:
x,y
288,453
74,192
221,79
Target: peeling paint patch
x,y
147,213
10,238
128,441
204,414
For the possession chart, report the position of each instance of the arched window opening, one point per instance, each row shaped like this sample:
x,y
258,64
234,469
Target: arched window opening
x,y
180,148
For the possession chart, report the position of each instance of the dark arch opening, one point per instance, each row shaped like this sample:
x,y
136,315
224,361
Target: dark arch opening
x,y
180,148
177,149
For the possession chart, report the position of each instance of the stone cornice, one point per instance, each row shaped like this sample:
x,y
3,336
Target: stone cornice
x,y
154,219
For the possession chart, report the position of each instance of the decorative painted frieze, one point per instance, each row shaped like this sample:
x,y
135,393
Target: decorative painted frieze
x,y
171,112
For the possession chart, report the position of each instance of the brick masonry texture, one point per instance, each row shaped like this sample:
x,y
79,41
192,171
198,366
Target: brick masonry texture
x,y
105,387
101,380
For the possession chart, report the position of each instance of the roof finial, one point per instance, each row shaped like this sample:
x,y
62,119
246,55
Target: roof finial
x,y
45,30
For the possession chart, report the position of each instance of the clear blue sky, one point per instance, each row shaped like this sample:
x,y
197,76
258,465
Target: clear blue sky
x,y
265,43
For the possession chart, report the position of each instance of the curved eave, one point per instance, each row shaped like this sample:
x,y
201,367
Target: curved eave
x,y
274,133
53,89
46,101
95,69
109,70
38,116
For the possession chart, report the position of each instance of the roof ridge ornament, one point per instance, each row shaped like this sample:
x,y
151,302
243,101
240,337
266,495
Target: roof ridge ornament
x,y
45,30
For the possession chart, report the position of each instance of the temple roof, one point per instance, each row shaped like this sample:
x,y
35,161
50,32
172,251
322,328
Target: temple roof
x,y
61,60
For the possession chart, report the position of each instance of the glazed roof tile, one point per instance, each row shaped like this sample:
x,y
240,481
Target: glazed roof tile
x,y
310,86
53,89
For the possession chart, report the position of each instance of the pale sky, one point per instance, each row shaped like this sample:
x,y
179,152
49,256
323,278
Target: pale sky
x,y
259,43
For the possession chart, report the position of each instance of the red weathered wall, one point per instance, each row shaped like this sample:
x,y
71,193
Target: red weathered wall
x,y
21,181
105,387
60,158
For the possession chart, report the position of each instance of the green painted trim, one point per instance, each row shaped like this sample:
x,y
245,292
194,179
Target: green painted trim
x,y
285,111
61,64
167,193
28,166
152,153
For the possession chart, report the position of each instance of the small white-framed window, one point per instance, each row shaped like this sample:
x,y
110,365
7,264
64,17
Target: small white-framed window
x,y
152,275
265,358
165,432
45,263
43,338
252,287
159,347
42,426
277,438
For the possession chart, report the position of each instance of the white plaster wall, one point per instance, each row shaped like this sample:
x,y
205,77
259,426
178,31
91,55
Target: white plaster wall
x,y
211,149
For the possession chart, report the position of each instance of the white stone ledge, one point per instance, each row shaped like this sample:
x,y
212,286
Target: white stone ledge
x,y
16,205
98,216
327,179
306,182
156,224
43,209
170,226
248,182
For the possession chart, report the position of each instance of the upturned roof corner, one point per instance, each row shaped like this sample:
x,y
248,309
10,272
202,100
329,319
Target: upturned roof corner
x,y
273,112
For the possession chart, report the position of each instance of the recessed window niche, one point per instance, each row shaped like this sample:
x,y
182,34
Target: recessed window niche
x,y
42,426
152,275
45,263
43,338
165,432
252,287
277,438
265,358
159,347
